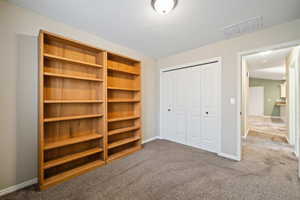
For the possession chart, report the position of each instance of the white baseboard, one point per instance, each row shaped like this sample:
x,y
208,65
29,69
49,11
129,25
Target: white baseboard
x,y
228,156
151,139
18,186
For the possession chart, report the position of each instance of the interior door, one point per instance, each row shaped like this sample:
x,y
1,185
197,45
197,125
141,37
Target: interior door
x,y
256,101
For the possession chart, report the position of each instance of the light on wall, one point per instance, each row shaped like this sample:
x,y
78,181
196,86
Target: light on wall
x,y
163,6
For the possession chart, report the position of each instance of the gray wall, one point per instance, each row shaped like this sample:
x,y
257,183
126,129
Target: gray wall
x,y
228,50
18,81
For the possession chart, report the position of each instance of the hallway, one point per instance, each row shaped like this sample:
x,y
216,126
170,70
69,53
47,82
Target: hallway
x,y
273,129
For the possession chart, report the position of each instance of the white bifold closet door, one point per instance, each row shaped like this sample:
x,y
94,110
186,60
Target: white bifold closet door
x,y
191,106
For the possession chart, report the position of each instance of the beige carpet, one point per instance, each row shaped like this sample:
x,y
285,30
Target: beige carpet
x,y
274,126
168,171
272,137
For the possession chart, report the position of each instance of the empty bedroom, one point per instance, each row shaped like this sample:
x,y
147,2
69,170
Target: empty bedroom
x,y
149,100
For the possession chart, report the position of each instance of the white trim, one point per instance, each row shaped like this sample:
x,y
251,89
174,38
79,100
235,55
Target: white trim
x,y
239,84
228,156
218,59
160,103
151,139
18,186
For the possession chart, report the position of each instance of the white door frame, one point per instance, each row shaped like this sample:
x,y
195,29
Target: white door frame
x,y
239,88
182,66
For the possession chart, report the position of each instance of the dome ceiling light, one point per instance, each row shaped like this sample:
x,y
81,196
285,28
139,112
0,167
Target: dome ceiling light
x,y
163,7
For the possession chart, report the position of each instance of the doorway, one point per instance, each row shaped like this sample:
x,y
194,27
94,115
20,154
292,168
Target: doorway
x,y
190,104
270,101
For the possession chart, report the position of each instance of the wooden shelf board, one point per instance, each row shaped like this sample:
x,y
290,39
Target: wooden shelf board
x,y
56,119
71,60
119,55
73,101
122,100
73,140
123,141
123,130
71,157
123,71
123,153
71,77
125,89
70,174
122,118
69,41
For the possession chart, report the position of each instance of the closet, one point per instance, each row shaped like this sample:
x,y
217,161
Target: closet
x,y
89,108
191,111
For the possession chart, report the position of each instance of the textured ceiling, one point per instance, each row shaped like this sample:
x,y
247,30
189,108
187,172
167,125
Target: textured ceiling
x,y
134,24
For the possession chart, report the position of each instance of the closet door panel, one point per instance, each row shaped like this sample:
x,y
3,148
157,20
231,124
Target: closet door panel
x,y
168,118
180,105
210,94
194,107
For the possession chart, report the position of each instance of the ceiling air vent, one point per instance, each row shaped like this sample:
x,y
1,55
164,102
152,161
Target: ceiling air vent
x,y
243,27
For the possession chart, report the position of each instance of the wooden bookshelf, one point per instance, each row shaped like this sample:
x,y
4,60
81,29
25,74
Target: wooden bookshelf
x,y
116,119
72,108
126,71
73,101
64,176
70,60
123,130
124,106
123,88
122,100
71,77
123,153
89,108
123,141
56,119
71,157
74,140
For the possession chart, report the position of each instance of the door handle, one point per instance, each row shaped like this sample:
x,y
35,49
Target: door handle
x,y
169,109
206,113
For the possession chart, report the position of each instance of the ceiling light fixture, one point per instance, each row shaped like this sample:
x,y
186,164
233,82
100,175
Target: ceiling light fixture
x,y
163,6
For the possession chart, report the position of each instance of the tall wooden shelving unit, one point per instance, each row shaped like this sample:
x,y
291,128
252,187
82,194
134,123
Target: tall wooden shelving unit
x,y
72,108
123,106
89,108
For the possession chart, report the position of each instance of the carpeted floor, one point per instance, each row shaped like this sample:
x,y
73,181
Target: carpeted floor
x,y
271,137
168,171
267,125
